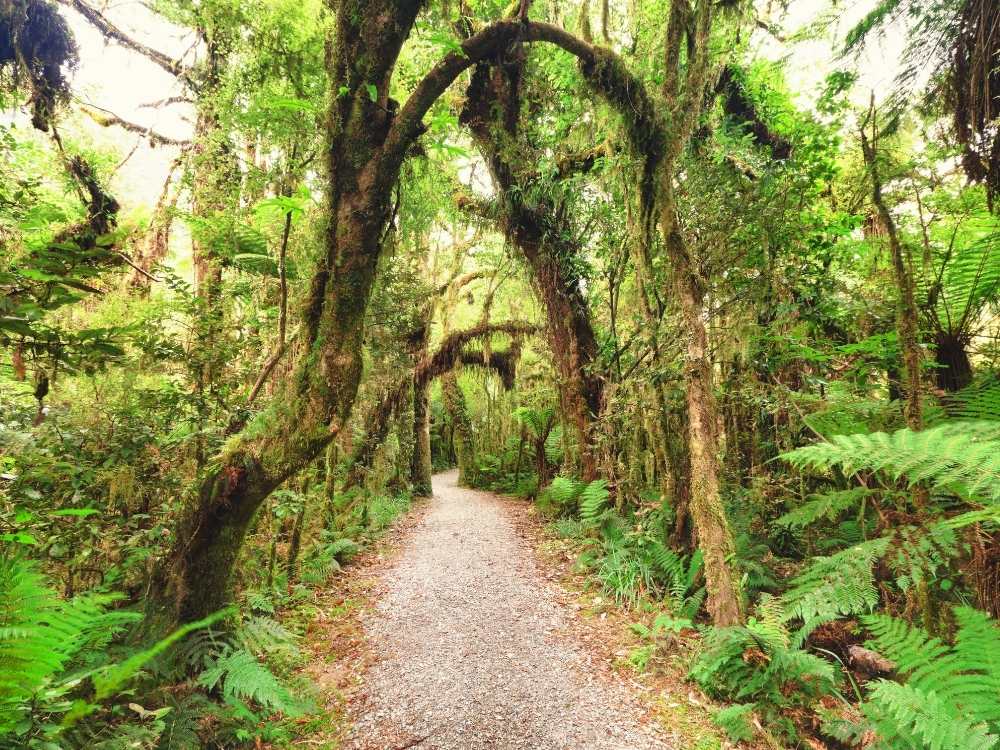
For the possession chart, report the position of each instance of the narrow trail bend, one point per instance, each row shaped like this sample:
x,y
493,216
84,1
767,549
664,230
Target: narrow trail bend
x,y
472,650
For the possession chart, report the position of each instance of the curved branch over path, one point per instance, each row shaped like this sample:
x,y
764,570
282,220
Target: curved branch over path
x,y
448,355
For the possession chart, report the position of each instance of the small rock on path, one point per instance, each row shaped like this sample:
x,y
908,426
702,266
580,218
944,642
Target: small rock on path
x,y
471,647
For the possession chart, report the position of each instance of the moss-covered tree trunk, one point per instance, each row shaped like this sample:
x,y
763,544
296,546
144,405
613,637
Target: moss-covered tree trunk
x,y
420,467
314,404
458,413
705,501
543,235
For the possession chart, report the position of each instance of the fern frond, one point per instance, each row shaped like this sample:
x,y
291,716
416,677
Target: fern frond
x,y
40,634
769,623
735,721
979,401
593,500
840,584
262,635
955,452
907,717
966,676
826,506
239,675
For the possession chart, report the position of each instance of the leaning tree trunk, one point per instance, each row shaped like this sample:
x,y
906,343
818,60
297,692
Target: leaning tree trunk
x,y
316,400
543,236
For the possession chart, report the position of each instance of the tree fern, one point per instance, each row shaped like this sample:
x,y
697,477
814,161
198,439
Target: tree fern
x,y
963,453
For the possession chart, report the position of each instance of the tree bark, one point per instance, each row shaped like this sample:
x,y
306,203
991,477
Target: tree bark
x,y
954,369
420,468
458,413
542,234
705,502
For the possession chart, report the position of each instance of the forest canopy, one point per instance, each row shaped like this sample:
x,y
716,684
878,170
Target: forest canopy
x,y
711,287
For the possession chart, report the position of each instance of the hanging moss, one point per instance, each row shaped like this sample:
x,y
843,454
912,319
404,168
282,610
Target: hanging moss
x,y
740,107
36,48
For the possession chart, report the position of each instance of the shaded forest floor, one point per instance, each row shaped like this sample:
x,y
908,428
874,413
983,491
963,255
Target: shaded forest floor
x,y
468,626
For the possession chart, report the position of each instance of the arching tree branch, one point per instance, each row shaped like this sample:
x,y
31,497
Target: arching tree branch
x,y
603,69
112,32
450,353
106,119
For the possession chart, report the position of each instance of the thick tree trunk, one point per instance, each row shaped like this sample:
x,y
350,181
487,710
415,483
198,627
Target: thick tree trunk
x,y
542,234
954,369
316,401
705,503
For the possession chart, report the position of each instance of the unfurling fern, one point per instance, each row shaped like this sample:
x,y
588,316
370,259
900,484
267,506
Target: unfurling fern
x,y
960,454
951,695
239,676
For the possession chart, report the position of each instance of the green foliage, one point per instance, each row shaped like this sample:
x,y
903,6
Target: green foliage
x,y
979,401
240,676
757,664
951,694
593,500
735,720
961,455
826,506
48,646
840,584
40,636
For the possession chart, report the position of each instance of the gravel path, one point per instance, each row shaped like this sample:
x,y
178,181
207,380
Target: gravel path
x,y
472,650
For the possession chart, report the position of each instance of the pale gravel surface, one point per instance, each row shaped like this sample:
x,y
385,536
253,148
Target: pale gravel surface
x,y
472,647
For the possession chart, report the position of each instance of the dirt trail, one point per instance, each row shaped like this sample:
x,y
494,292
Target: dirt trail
x,y
472,650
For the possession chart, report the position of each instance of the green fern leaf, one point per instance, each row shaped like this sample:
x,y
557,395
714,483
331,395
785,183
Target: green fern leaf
x,y
239,675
